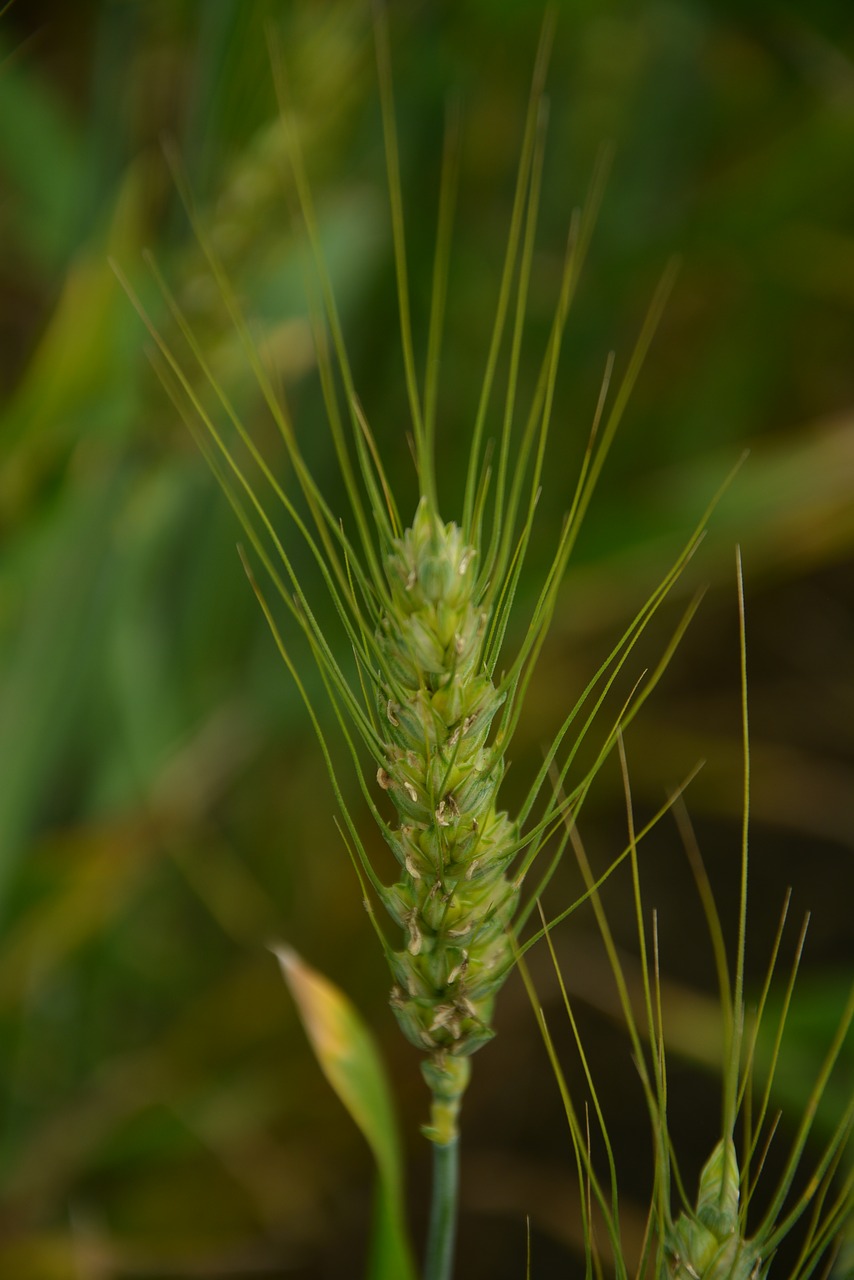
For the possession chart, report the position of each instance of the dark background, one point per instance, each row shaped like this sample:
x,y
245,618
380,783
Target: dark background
x,y
164,809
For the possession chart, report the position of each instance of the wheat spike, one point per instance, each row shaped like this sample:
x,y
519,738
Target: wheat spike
x,y
453,899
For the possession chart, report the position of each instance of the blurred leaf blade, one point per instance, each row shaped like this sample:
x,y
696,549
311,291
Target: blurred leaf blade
x,y
45,206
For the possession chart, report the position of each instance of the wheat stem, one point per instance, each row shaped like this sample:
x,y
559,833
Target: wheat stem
x,y
441,1237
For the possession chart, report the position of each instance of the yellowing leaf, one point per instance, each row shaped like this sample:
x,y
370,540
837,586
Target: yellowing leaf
x,y
351,1063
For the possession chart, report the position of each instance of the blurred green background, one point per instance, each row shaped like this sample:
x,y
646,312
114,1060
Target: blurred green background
x,y
164,810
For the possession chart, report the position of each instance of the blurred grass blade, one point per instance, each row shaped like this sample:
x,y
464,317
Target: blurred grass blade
x,y
350,1061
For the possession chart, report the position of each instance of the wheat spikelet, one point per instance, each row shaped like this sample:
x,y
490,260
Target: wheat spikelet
x,y
708,1244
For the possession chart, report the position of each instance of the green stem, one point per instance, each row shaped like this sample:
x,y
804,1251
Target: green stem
x,y
439,1259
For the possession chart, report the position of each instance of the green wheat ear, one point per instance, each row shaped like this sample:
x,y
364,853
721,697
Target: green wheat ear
x,y
426,608
453,900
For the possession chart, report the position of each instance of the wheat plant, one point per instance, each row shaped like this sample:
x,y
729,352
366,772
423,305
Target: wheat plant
x,y
428,706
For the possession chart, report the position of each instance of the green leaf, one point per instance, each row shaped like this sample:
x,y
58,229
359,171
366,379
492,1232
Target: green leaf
x,y
351,1063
